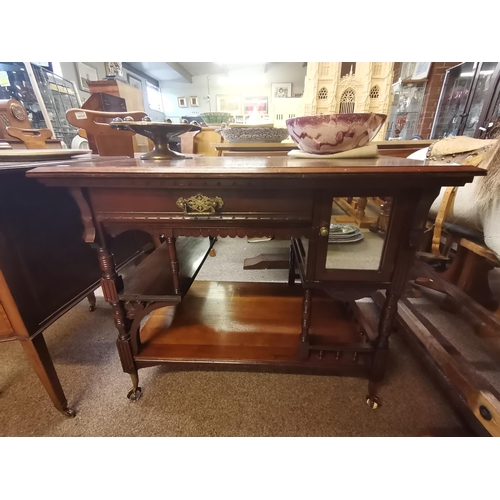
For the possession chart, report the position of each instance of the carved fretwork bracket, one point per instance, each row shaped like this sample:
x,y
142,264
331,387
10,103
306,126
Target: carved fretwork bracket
x,y
86,215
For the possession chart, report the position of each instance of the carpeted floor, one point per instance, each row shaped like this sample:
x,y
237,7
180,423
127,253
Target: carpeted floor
x,y
209,403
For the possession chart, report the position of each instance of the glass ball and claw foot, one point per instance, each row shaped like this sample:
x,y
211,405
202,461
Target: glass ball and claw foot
x,y
159,132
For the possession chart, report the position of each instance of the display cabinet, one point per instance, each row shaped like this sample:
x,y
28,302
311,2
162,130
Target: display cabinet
x,y
45,96
404,115
466,93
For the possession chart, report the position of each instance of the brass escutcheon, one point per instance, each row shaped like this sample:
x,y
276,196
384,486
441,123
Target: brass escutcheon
x,y
200,204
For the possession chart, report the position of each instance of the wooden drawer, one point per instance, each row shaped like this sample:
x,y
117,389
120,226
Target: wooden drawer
x,y
199,205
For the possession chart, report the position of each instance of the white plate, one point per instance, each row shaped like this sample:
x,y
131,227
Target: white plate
x,y
353,239
41,154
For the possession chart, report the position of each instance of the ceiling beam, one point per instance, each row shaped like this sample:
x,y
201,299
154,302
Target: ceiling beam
x,y
182,71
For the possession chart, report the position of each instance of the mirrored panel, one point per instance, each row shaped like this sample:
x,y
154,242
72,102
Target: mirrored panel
x,y
357,233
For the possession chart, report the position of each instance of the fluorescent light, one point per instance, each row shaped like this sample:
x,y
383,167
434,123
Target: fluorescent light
x,y
467,74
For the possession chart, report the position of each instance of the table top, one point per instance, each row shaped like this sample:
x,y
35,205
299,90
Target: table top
x,y
14,166
278,166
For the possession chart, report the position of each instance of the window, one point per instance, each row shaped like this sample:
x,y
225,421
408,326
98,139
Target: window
x,y
323,94
347,101
377,69
324,70
375,92
154,97
346,67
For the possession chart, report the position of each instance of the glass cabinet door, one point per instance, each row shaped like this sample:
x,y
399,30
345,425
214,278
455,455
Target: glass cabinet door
x,y
58,95
15,84
353,246
453,100
490,128
405,110
482,89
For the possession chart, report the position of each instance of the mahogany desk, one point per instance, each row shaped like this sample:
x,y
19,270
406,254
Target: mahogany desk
x,y
273,325
45,266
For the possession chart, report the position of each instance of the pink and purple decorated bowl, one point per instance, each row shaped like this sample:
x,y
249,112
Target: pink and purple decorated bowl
x,y
334,133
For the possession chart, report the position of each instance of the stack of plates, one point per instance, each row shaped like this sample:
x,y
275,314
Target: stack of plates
x,y
344,233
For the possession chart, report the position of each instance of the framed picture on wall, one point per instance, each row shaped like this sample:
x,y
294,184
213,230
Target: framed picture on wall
x,y
421,70
229,103
134,82
182,102
86,73
193,102
280,90
258,103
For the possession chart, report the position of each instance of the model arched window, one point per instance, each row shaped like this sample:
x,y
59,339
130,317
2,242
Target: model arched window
x,y
324,70
323,94
347,101
375,92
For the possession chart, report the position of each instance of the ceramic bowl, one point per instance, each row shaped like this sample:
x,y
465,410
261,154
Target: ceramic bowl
x,y
216,117
253,134
334,133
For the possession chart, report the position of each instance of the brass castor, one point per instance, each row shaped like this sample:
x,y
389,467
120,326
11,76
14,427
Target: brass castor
x,y
68,412
373,403
92,308
134,394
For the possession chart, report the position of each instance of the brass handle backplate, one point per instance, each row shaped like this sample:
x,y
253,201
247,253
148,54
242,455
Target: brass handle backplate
x,y
324,231
200,204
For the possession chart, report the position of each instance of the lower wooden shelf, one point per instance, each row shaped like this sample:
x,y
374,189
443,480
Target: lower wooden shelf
x,y
251,324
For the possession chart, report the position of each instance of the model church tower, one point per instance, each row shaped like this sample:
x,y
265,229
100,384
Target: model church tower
x,y
362,87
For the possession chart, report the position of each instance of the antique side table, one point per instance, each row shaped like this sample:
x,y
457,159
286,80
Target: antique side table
x,y
306,327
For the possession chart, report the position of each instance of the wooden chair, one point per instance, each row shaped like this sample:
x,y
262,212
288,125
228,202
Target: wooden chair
x,y
14,124
32,138
110,142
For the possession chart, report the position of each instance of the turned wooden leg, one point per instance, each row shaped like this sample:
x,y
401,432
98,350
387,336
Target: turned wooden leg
x,y
92,301
306,322
382,223
174,264
40,360
385,328
111,283
361,206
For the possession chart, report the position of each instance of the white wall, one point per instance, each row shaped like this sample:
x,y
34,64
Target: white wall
x,y
69,72
153,114
207,85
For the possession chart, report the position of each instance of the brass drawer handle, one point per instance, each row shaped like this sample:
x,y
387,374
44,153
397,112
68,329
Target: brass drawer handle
x,y
200,204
